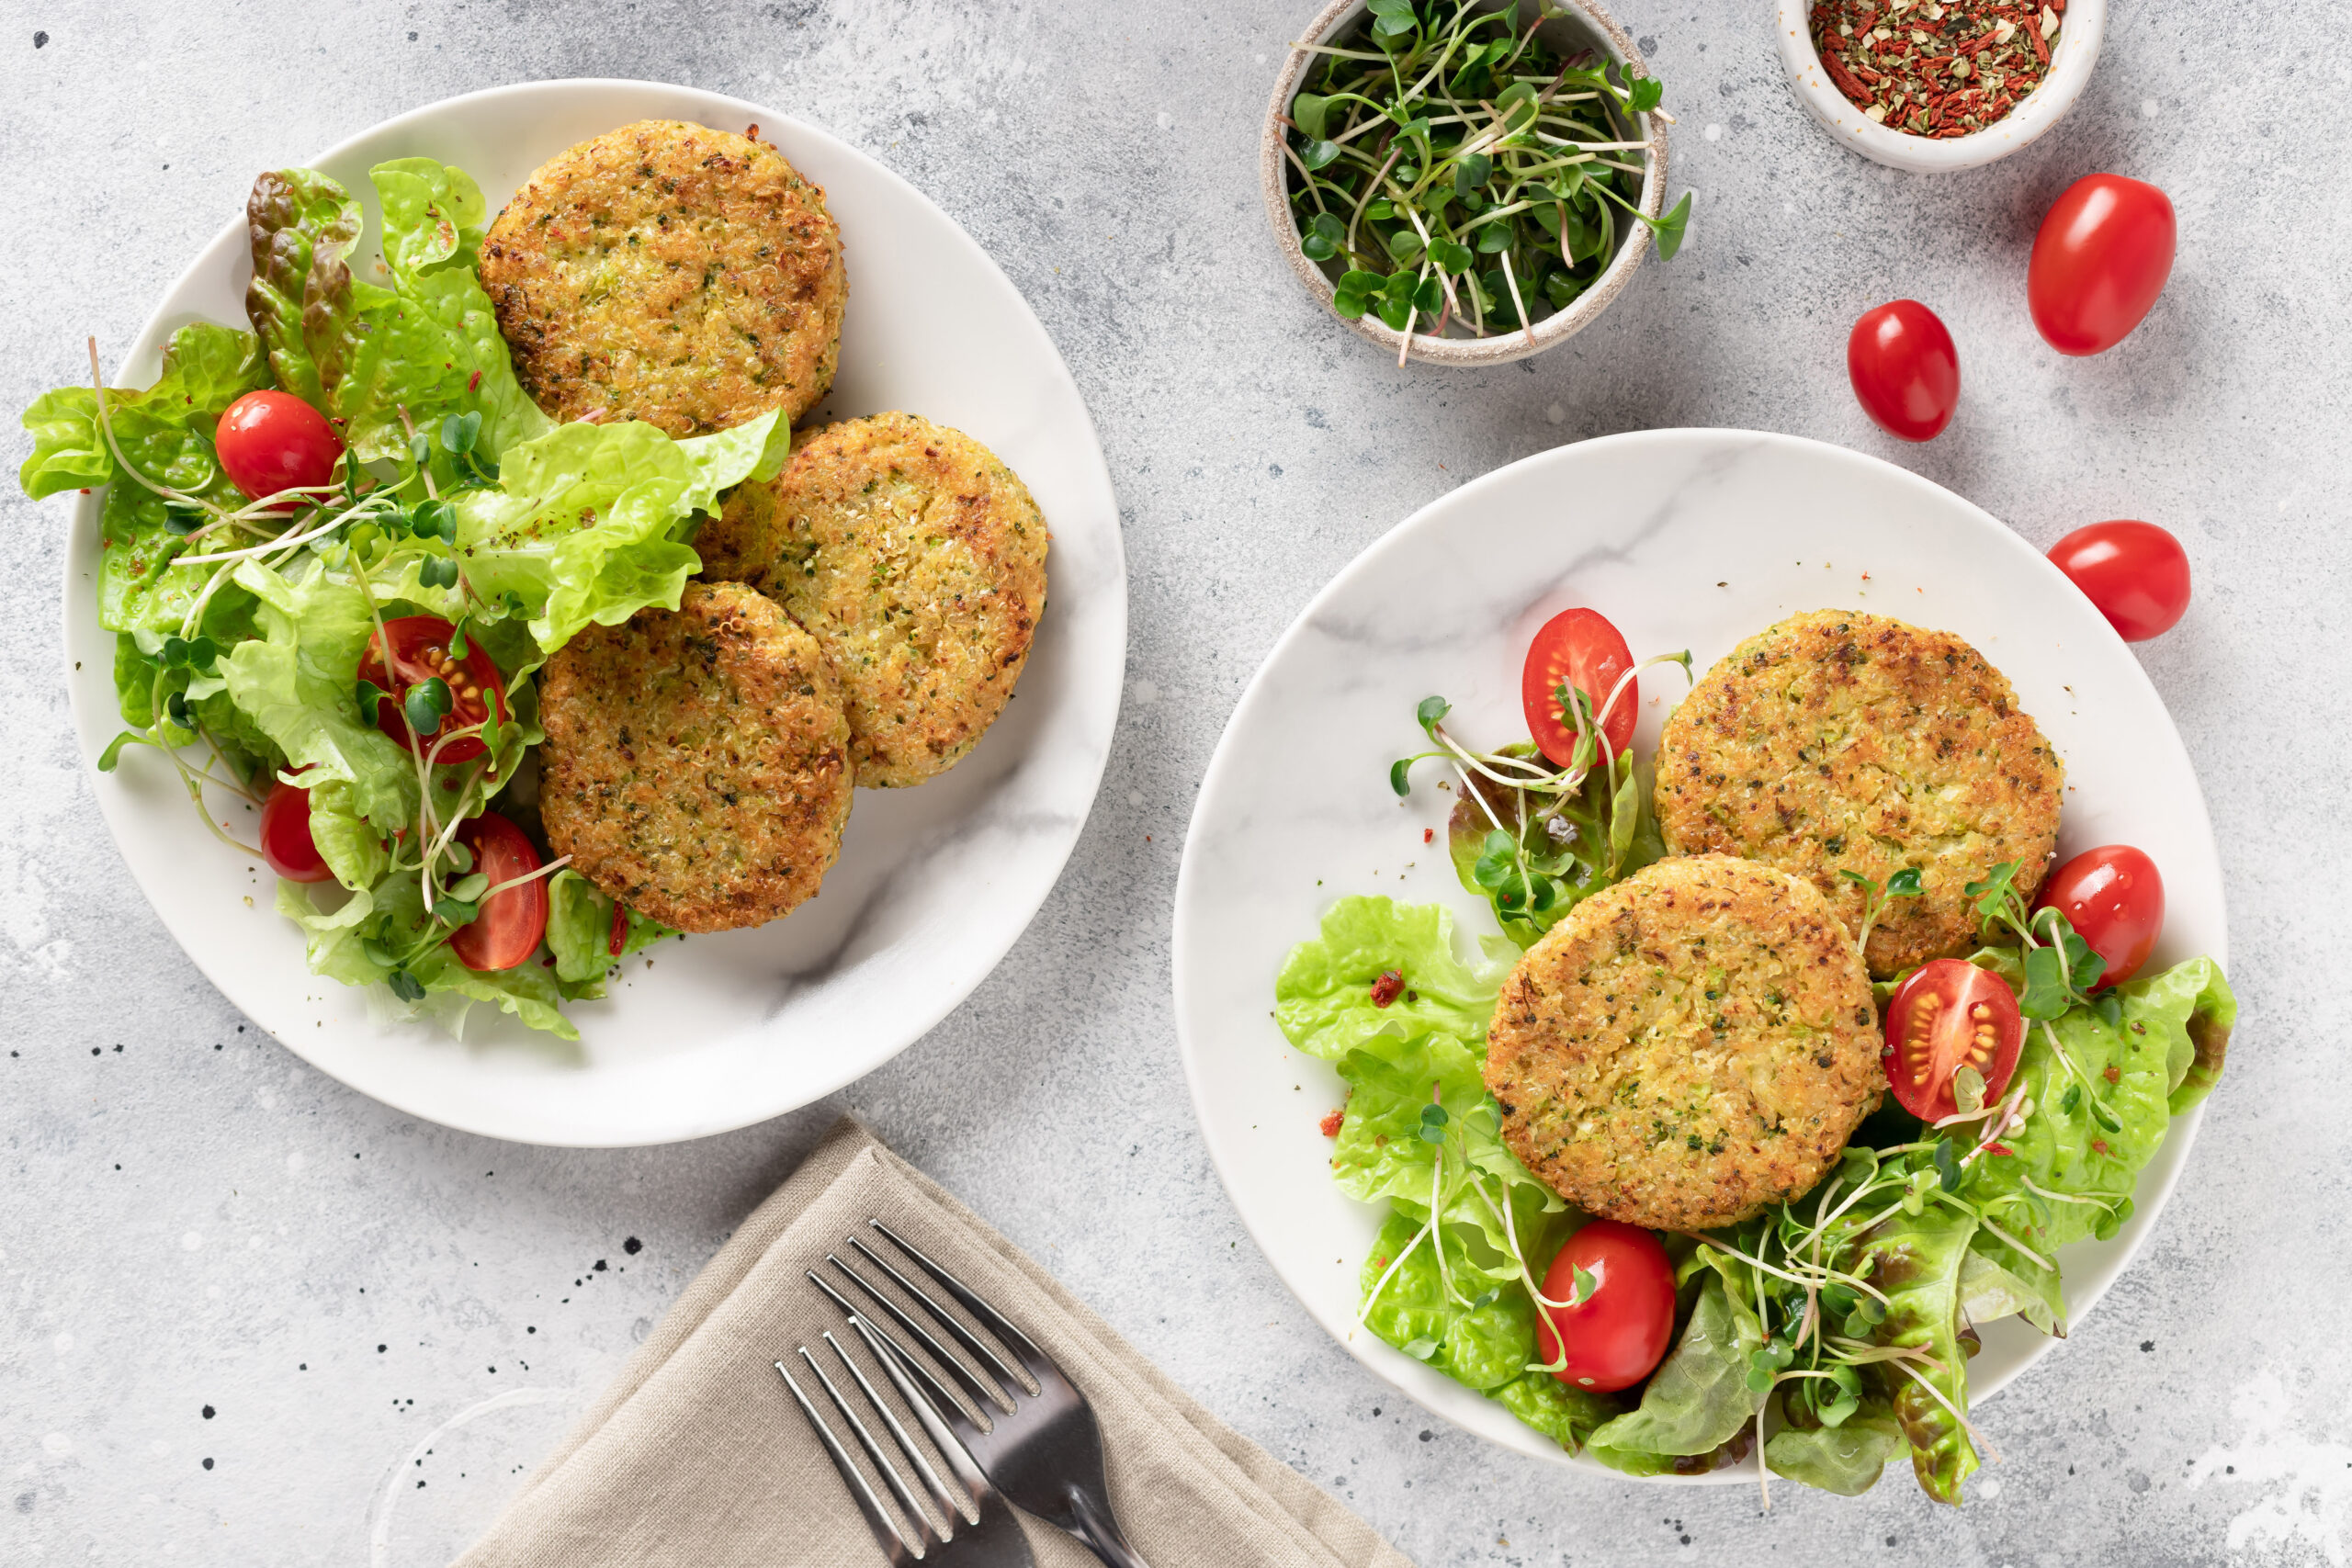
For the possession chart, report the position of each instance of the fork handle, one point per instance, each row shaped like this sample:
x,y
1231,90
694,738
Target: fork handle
x,y
1100,1532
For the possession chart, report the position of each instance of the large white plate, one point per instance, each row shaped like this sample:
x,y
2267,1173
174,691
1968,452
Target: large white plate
x,y
1686,538
933,884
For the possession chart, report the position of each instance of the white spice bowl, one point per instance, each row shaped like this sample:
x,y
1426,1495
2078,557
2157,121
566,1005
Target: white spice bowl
x,y
1578,23
2070,67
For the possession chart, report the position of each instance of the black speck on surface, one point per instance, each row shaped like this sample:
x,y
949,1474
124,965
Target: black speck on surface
x,y
379,1349
600,1265
632,1246
208,1413
208,1464
1428,1435
1649,45
412,37
40,40
2147,1344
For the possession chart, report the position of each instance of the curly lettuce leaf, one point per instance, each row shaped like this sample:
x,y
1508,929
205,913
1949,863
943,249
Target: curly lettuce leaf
x,y
1323,998
1997,1281
1915,1260
1567,1415
303,225
1845,1459
1698,1400
582,527
579,934
165,432
390,917
2092,1130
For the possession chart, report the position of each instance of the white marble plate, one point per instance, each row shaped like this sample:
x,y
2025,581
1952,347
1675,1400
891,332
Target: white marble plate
x,y
1685,539
933,884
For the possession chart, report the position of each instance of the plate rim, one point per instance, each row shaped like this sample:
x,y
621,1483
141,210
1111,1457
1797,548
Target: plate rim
x,y
1375,1355
80,548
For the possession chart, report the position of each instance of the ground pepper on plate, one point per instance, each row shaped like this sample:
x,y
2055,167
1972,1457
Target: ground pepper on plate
x,y
1936,68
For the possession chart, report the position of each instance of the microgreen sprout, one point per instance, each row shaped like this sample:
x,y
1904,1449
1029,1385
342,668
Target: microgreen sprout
x,y
1903,883
1459,176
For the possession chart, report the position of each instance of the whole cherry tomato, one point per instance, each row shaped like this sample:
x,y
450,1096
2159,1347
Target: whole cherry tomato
x,y
510,924
2135,572
1949,1015
2114,897
1905,368
274,441
2100,260
1616,1333
286,841
1581,648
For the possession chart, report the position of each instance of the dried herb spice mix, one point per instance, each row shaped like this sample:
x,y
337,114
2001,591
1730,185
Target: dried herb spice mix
x,y
1936,68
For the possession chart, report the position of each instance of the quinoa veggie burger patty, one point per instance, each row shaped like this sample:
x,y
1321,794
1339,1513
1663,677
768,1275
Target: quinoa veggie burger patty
x,y
666,272
917,559
696,765
1836,741
1686,1047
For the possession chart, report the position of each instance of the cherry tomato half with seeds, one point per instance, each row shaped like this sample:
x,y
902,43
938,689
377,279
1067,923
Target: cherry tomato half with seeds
x,y
1578,647
274,441
2101,257
2135,572
1617,1334
2114,897
1948,1015
1906,369
510,925
286,841
420,652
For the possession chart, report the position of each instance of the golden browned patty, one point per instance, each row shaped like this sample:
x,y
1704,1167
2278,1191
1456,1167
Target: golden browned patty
x,y
918,561
1686,1047
666,272
1837,741
697,766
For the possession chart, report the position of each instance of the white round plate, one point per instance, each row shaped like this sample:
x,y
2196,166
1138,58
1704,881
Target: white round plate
x,y
933,884
1685,539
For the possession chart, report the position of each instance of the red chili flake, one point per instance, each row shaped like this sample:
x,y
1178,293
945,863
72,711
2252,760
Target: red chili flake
x,y
1428,833
620,929
1330,1123
2099,1146
2113,1074
1909,88
473,382
2041,50
1387,988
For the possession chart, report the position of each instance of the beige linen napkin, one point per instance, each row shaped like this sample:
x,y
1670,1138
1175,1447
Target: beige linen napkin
x,y
698,1456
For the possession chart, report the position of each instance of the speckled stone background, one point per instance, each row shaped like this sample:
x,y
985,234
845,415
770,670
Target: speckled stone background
x,y
234,1295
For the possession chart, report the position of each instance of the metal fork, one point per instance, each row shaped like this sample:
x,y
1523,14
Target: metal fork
x,y
1041,1446
973,1529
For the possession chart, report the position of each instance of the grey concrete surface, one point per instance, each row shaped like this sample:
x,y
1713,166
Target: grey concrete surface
x,y
236,1296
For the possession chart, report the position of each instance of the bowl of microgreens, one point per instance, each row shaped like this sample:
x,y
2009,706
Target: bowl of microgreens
x,y
1467,182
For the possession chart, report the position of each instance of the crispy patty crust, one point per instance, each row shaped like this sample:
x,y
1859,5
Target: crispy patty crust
x,y
917,561
666,272
1836,741
1686,1047
697,766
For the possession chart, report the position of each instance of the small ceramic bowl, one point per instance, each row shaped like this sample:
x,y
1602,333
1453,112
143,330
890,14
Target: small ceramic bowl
x,y
1583,23
2070,66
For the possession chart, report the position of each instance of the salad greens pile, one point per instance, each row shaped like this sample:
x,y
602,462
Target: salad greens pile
x,y
1837,1327
241,625
1449,170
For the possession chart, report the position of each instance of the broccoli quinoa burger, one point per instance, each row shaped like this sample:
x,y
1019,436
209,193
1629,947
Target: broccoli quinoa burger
x,y
696,765
1686,1047
1837,743
917,559
666,272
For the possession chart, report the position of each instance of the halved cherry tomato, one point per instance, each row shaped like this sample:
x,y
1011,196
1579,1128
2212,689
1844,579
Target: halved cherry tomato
x,y
2114,897
1617,1334
274,441
1906,369
420,652
1948,1015
2135,572
511,923
2100,259
1581,648
286,841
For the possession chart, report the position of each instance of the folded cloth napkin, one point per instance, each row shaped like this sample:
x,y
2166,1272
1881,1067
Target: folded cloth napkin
x,y
698,1456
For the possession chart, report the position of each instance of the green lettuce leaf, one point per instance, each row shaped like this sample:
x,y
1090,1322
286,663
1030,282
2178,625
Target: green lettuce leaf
x,y
1997,1281
1915,1261
2088,1136
1601,835
579,934
391,918
1847,1459
1567,1415
350,845
302,226
1698,1400
583,527
1323,998
1479,1335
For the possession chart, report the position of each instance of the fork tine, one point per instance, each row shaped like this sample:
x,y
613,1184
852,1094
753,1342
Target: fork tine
x,y
950,1443
851,1310
878,1517
948,1500
931,1536
1038,1364
954,1325
982,1394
